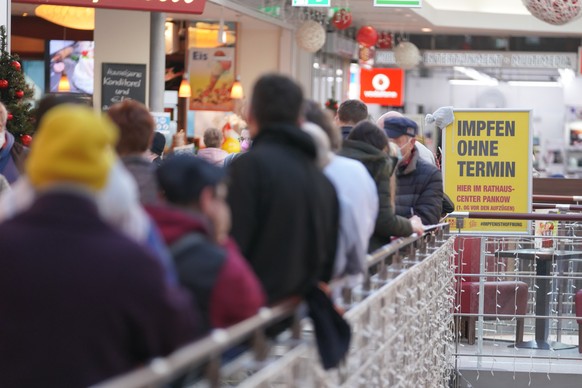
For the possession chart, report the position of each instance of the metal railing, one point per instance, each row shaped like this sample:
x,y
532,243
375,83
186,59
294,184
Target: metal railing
x,y
408,288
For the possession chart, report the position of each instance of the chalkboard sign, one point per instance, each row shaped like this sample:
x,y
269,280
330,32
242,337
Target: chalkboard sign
x,y
122,81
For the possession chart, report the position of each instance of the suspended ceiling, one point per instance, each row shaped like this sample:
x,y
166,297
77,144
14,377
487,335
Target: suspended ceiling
x,y
470,17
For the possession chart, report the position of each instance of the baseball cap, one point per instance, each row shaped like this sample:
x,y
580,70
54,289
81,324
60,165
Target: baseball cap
x,y
398,126
182,178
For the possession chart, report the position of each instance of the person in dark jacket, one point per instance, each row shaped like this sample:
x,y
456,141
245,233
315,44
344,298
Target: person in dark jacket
x,y
12,154
195,226
368,144
79,302
420,184
136,126
285,211
349,113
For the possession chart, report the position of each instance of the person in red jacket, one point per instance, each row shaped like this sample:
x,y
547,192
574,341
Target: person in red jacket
x,y
195,224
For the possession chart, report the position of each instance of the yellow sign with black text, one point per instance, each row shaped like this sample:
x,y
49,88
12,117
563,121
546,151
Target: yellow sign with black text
x,y
487,162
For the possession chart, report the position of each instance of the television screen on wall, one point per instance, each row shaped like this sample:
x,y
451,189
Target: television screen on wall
x,y
75,59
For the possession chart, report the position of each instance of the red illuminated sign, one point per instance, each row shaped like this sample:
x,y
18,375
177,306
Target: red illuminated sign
x,y
179,6
382,86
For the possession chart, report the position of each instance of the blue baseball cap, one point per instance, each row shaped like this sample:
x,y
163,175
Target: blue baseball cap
x,y
398,126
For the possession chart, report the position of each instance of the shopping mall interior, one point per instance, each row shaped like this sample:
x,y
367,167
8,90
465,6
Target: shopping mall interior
x,y
194,63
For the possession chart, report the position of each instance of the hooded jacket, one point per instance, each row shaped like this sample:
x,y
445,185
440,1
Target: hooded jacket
x,y
77,296
224,286
285,212
379,166
419,190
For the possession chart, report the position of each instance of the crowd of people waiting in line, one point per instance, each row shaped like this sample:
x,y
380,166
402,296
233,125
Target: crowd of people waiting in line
x,y
111,256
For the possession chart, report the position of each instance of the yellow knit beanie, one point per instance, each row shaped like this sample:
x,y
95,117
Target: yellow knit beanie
x,y
73,145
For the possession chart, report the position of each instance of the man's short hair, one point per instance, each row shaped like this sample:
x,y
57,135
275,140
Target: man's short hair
x,y
369,132
136,126
213,138
276,99
352,112
51,101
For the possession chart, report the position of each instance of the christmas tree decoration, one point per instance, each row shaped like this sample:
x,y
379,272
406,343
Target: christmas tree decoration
x,y
367,36
15,94
26,140
310,36
556,12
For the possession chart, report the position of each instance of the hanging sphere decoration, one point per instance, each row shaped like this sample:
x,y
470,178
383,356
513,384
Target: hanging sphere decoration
x,y
556,12
342,19
406,55
310,36
367,36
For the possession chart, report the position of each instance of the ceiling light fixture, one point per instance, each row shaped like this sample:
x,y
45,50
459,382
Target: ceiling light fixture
x,y
551,84
426,29
473,82
78,18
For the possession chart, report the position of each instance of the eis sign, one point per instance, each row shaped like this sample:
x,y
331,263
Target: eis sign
x,y
382,86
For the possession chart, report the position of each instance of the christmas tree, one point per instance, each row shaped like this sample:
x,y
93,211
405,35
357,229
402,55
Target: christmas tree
x,y
14,93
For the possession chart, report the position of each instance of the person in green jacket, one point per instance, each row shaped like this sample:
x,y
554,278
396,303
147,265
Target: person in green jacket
x,y
368,144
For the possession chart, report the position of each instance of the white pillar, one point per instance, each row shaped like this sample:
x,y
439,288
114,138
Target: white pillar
x,y
120,37
5,19
157,61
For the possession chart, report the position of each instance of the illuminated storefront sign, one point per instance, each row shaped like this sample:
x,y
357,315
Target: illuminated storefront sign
x,y
382,86
178,6
520,60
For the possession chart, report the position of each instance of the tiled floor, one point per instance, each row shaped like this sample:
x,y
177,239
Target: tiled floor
x,y
498,355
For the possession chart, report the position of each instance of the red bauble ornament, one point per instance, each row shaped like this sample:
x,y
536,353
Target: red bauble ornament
x,y
26,139
16,65
367,36
385,40
342,19
19,94
9,116
3,83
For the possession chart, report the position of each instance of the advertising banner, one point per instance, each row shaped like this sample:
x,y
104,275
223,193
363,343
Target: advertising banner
x,y
382,86
181,6
487,167
211,72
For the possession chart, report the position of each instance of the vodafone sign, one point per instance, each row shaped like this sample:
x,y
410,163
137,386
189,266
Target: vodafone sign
x,y
382,86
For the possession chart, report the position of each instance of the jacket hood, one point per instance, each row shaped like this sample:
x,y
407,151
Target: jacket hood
x,y
174,223
362,151
288,135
